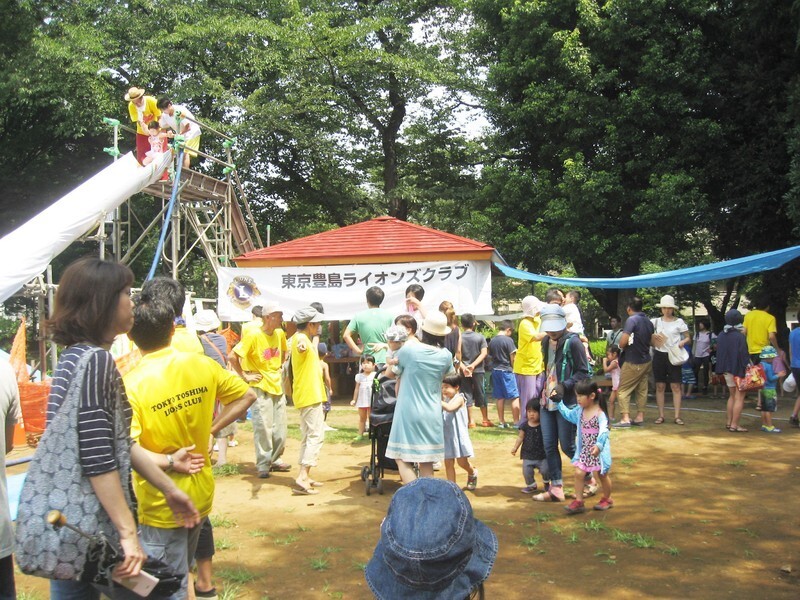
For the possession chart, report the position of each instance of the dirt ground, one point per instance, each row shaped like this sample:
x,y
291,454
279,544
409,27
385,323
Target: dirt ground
x,y
699,513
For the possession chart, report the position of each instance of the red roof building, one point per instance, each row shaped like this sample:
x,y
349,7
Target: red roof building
x,y
379,240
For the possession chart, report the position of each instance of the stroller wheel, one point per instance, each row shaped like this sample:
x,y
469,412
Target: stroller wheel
x,y
364,473
369,487
379,486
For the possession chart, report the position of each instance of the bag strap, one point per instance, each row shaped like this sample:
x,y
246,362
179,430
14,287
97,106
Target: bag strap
x,y
214,346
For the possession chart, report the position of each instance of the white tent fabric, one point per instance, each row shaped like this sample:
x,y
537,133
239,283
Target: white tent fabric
x,y
28,250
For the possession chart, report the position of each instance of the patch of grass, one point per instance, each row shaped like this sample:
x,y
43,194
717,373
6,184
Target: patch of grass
x,y
231,592
28,595
716,533
595,525
658,510
557,529
749,553
672,551
359,566
621,536
285,541
643,541
236,576
627,461
224,544
259,533
336,595
330,550
543,517
320,564
222,521
736,463
226,470
531,541
302,528
706,521
573,538
749,532
610,561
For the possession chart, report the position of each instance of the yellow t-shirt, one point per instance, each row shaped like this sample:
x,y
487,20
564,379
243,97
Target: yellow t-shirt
x,y
263,353
184,340
529,360
172,396
307,386
759,324
150,112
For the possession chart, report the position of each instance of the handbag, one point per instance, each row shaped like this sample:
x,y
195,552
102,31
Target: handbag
x,y
677,355
55,481
754,378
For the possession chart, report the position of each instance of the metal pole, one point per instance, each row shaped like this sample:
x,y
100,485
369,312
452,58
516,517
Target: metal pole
x,y
50,308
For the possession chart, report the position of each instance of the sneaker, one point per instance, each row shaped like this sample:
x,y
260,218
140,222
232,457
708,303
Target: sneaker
x,y
232,443
358,438
575,507
502,425
794,421
604,504
772,429
437,466
529,489
472,480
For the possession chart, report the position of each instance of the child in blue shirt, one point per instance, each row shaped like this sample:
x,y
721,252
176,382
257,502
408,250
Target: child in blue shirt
x,y
769,400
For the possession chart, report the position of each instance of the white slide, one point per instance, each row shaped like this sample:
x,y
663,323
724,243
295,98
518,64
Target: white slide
x,y
28,250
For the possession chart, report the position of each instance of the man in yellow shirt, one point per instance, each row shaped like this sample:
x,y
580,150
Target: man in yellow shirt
x,y
308,394
142,110
172,396
528,361
258,359
761,329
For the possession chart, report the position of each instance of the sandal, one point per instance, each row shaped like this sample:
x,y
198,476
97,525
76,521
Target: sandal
x,y
590,490
679,421
547,496
737,429
659,421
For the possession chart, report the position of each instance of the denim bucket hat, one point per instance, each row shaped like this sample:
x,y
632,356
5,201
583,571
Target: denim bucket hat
x,y
431,546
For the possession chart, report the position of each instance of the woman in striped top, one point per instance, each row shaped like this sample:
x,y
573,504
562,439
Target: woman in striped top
x,y
93,306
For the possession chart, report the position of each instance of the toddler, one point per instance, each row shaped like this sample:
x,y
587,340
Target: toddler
x,y
592,445
533,455
457,445
158,142
362,394
769,400
611,367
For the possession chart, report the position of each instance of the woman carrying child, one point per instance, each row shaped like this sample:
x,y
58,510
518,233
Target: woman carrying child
x,y
592,444
457,445
362,394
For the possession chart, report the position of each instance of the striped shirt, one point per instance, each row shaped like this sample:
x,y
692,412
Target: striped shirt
x,y
102,386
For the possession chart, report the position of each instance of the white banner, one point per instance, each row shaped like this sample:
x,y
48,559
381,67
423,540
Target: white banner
x,y
341,289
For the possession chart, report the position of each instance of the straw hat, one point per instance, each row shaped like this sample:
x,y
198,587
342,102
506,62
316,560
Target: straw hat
x,y
134,93
436,324
667,301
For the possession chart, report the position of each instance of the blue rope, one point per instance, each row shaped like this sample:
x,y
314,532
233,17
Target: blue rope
x,y
168,217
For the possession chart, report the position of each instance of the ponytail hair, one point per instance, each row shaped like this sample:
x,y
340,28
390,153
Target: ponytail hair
x,y
586,387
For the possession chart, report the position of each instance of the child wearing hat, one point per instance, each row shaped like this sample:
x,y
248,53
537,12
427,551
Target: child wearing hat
x,y
769,400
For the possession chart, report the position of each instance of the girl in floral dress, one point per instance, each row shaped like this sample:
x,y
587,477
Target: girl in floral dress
x,y
592,445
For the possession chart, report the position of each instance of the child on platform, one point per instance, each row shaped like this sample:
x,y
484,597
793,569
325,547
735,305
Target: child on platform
x,y
769,399
611,367
592,445
158,142
533,455
362,394
457,445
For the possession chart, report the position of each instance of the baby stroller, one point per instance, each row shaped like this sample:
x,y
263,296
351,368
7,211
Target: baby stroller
x,y
381,413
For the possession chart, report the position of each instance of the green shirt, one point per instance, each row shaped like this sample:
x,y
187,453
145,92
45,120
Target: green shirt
x,y
371,326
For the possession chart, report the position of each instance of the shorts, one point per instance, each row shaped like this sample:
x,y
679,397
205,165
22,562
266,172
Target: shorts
x,y
205,542
504,385
192,144
473,390
769,400
729,380
663,370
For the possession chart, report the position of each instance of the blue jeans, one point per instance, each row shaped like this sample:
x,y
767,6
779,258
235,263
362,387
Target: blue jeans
x,y
556,429
77,590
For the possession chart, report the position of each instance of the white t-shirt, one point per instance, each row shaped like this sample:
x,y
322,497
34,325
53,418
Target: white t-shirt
x,y
171,121
573,315
9,413
673,331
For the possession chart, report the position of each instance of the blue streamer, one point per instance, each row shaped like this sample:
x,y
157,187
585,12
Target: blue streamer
x,y
710,272
168,217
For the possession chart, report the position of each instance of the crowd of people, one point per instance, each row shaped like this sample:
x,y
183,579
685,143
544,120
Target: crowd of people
x,y
145,437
